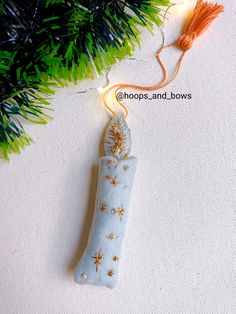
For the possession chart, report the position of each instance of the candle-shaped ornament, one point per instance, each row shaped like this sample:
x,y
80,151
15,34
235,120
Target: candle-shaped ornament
x,y
100,261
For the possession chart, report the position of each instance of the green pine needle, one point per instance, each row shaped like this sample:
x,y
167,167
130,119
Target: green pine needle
x,y
44,44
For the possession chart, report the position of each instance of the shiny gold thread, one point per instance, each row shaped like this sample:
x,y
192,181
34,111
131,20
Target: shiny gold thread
x,y
98,259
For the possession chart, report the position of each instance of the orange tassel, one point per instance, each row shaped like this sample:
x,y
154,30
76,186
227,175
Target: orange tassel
x,y
203,15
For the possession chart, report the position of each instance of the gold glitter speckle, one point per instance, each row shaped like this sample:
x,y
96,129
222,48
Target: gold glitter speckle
x,y
115,258
108,178
103,207
114,181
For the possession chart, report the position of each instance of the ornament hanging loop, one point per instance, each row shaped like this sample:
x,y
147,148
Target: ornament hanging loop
x,y
104,101
203,15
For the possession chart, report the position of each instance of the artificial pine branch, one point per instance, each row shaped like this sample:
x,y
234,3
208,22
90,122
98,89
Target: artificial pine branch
x,y
46,43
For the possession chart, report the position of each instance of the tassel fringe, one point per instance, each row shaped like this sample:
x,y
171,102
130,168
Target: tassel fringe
x,y
203,15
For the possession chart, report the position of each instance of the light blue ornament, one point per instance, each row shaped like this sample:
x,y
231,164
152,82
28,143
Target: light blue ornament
x,y
100,262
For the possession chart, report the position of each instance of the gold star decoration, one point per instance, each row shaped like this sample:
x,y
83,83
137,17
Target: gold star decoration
x,y
110,273
103,207
120,211
98,259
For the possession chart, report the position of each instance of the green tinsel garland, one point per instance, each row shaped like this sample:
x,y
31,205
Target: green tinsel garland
x,y
46,43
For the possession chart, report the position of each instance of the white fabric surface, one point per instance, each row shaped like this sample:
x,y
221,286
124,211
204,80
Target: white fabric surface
x,y
178,253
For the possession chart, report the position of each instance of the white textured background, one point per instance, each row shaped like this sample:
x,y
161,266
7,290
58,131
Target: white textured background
x,y
178,254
